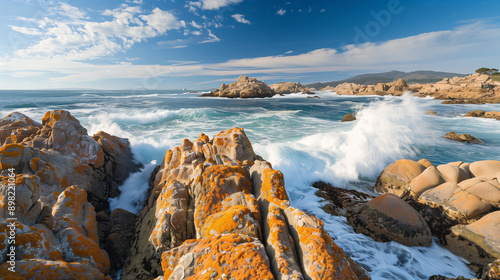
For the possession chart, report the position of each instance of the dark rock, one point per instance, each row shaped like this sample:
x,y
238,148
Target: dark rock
x,y
340,199
120,237
464,138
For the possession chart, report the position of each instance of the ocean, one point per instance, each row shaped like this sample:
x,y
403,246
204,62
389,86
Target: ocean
x,y
303,137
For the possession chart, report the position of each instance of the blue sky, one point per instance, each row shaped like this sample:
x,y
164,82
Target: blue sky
x,y
167,44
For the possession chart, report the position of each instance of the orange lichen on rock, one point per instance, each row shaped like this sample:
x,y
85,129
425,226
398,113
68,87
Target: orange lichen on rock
x,y
237,219
32,242
32,269
11,155
234,144
320,257
172,225
231,256
76,229
219,182
280,246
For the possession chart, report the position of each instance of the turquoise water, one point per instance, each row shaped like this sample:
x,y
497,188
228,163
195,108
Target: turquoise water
x,y
300,136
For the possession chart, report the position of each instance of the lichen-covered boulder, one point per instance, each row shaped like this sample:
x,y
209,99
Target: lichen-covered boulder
x,y
32,269
231,256
16,127
389,218
64,133
76,229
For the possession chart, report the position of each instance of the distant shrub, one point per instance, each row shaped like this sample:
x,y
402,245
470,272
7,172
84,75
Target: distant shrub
x,y
488,71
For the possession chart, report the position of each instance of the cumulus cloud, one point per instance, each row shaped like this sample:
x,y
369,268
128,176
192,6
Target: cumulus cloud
x,y
281,12
26,30
240,18
212,4
77,38
453,50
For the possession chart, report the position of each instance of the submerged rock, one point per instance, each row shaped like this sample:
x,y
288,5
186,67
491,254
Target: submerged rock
x,y
348,118
483,114
466,138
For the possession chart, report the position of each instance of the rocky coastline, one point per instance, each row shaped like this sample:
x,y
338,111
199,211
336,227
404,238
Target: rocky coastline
x,y
215,209
472,89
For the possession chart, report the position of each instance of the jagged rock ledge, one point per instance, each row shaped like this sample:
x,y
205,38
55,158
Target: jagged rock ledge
x,y
474,89
216,209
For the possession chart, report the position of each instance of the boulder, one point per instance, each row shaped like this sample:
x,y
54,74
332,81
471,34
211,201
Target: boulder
x,y
396,177
478,241
431,113
244,88
18,126
389,218
467,138
348,118
289,87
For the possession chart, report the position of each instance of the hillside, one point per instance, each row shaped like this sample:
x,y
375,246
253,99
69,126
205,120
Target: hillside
x,y
387,77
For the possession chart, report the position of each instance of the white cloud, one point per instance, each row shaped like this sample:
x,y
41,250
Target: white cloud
x,y
240,18
211,38
213,4
197,33
26,30
281,12
195,25
77,38
138,2
322,10
71,11
462,49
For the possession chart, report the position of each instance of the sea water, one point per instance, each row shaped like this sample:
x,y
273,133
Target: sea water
x,y
303,137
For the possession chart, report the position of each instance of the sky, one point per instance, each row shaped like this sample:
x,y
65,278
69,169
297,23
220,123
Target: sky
x,y
172,44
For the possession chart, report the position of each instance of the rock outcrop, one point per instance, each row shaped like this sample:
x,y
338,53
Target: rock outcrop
x,y
53,166
395,88
482,114
476,88
245,87
464,138
289,87
458,200
217,210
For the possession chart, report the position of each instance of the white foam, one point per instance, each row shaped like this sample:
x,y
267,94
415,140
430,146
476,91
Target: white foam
x,y
133,191
293,95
